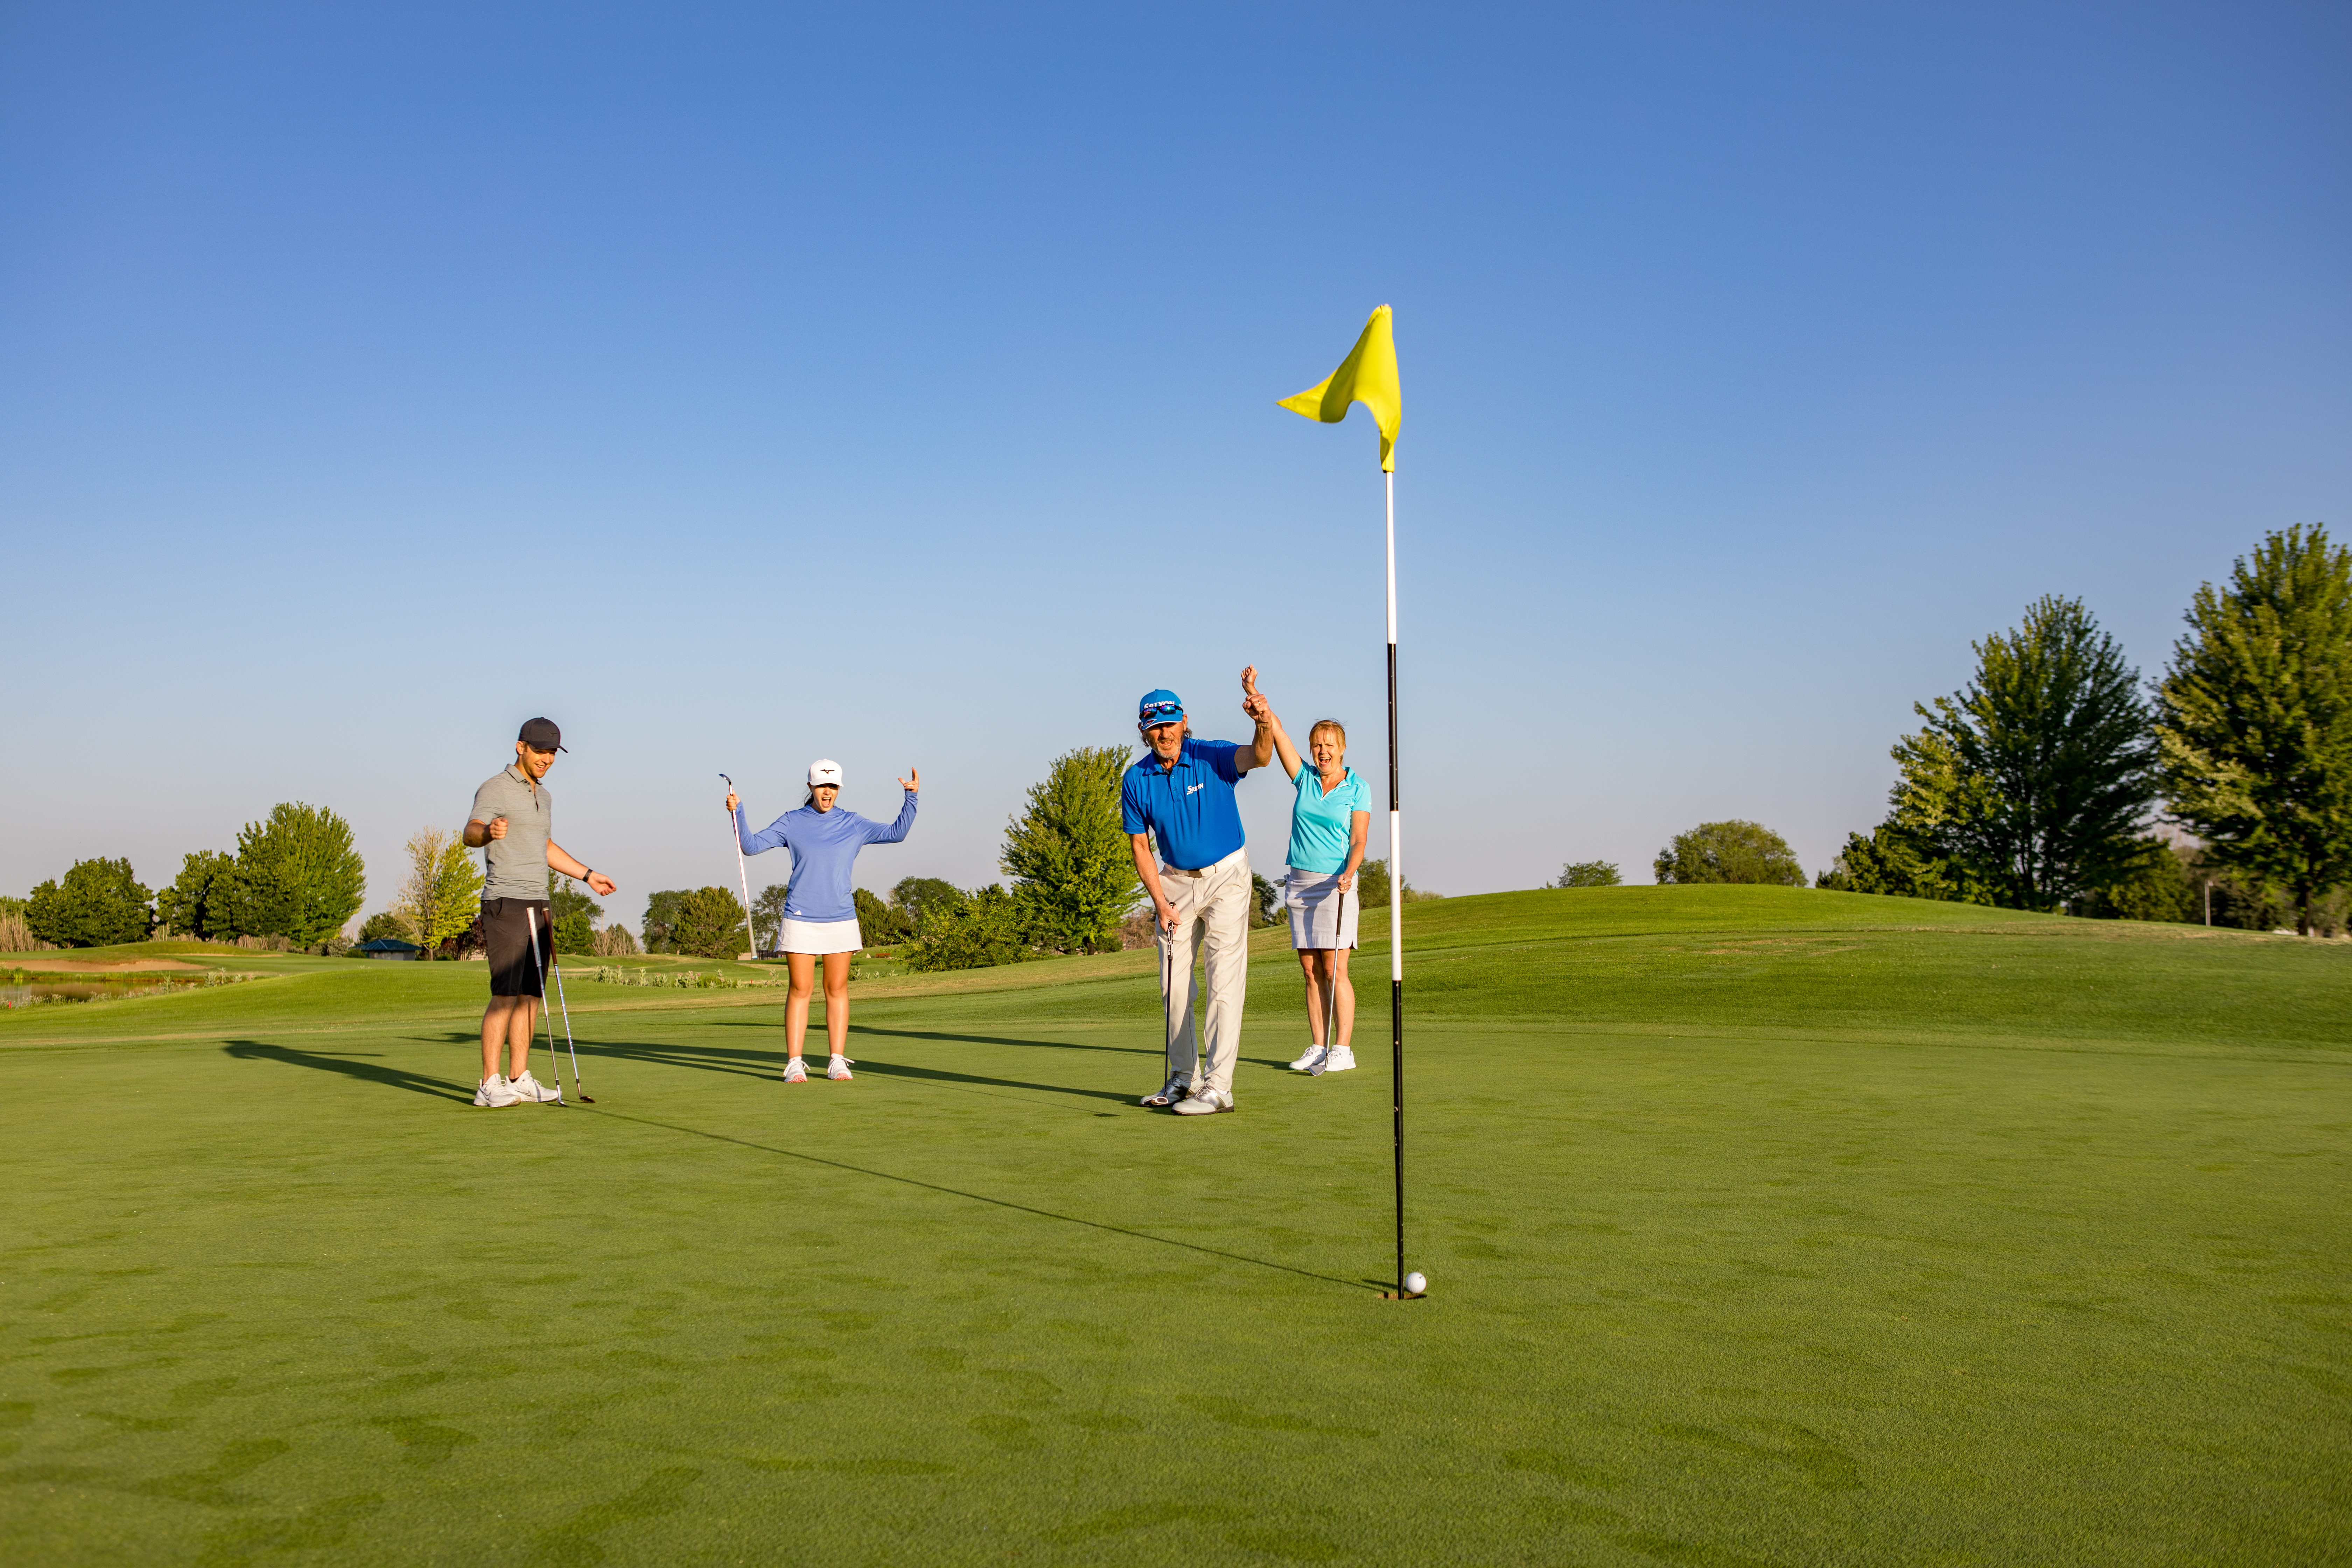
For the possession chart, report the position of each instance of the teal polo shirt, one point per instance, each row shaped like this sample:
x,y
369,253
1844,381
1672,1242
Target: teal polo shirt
x,y
1321,825
1188,806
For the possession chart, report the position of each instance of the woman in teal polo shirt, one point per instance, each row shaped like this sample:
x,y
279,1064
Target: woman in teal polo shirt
x,y
1329,821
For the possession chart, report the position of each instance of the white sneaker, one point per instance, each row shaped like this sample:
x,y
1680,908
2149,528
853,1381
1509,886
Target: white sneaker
x,y
529,1090
495,1092
796,1071
1306,1062
1342,1060
837,1070
1204,1102
1177,1087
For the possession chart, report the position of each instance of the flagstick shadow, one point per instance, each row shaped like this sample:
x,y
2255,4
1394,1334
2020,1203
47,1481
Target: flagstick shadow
x,y
977,1197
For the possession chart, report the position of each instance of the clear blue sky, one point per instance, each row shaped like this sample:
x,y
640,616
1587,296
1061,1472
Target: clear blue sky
x,y
739,385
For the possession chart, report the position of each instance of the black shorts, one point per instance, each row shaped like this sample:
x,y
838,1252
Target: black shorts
x,y
515,970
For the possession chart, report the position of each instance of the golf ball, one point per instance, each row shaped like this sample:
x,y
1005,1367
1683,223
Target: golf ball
x,y
1415,1283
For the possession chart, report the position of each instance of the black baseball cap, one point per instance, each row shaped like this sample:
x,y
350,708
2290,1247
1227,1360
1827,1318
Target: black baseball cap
x,y
542,735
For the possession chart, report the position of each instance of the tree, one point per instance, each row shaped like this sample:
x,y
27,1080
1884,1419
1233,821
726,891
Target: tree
x,y
298,876
1589,874
878,922
1891,861
1265,898
1067,853
198,902
1733,851
384,924
2254,718
709,924
1372,884
2156,887
2036,778
443,892
573,913
614,941
96,904
975,931
915,896
768,914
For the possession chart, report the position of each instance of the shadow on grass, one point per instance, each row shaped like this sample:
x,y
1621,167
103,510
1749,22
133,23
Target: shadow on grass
x,y
767,1064
366,1072
979,1199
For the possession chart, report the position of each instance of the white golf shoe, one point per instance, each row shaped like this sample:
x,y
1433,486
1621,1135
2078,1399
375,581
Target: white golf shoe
x,y
1342,1060
837,1070
1177,1087
1204,1102
1306,1062
529,1090
796,1071
495,1093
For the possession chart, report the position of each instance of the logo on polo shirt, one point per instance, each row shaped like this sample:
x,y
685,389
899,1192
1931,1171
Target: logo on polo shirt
x,y
1195,789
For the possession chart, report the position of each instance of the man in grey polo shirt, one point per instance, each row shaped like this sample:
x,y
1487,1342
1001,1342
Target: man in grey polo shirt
x,y
510,826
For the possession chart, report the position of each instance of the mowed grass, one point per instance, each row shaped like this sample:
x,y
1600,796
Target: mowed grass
x,y
1764,1227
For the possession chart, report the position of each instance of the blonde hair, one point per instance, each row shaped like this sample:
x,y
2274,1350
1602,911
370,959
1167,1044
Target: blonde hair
x,y
1334,726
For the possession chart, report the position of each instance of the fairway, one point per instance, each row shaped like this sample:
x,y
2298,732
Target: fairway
x,y
1763,1226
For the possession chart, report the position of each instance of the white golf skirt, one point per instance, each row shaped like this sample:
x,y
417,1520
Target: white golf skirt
x,y
1320,914
820,936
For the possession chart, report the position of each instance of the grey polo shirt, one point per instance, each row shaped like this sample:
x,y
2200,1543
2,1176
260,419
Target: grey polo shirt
x,y
516,866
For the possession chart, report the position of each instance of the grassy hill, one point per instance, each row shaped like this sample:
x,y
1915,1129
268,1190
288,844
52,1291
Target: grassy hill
x,y
1764,1227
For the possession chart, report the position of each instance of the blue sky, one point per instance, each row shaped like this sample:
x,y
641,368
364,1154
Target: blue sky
x,y
739,385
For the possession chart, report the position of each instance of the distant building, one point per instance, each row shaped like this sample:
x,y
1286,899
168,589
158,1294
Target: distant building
x,y
387,947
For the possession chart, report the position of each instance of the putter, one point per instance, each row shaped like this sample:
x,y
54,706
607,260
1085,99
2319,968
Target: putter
x,y
1331,994
585,1098
749,932
530,917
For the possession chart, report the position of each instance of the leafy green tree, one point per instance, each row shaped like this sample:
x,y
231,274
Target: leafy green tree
x,y
2038,775
573,914
1589,874
2156,887
95,904
661,915
1733,851
768,914
709,924
1264,900
1372,884
915,896
977,931
880,923
1067,853
442,895
383,925
2254,718
1892,861
298,876
197,903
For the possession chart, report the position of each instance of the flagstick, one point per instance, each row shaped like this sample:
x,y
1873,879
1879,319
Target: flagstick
x,y
751,928
1396,903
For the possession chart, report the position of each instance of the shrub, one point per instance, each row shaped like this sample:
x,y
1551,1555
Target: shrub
x,y
977,932
709,924
1589,874
1732,851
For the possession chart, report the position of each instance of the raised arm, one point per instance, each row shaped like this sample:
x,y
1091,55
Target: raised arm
x,y
878,834
1259,753
1283,752
769,837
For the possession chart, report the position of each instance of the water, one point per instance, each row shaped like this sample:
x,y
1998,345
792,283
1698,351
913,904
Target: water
x,y
29,988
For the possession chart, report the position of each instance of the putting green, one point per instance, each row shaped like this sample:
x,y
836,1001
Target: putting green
x,y
1763,1227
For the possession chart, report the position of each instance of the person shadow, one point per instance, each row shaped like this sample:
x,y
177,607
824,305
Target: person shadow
x,y
356,1068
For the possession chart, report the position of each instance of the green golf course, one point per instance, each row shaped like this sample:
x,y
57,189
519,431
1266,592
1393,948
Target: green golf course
x,y
1763,1226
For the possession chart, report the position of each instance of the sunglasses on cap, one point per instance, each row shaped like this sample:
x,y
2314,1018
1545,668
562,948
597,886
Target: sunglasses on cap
x,y
1159,712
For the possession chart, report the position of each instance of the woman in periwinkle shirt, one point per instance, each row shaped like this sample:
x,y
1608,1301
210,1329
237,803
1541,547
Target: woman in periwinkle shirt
x,y
820,910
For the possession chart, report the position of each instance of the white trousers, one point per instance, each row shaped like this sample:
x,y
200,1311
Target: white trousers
x,y
1212,909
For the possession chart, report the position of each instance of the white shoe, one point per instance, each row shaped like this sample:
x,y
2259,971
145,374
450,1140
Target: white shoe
x,y
1306,1063
532,1091
1204,1102
1177,1087
796,1071
495,1092
1342,1060
837,1070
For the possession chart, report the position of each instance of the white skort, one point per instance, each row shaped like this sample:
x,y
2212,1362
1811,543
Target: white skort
x,y
1320,914
820,936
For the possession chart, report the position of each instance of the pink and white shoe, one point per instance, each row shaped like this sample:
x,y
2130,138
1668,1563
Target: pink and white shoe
x,y
796,1071
838,1069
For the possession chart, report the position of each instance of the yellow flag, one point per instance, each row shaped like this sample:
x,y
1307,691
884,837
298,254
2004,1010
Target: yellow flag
x,y
1368,376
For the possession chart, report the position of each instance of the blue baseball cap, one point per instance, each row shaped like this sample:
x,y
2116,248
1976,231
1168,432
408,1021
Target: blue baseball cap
x,y
1160,707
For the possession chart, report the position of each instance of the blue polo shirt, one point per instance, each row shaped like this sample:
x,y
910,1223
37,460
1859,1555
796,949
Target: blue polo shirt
x,y
1190,808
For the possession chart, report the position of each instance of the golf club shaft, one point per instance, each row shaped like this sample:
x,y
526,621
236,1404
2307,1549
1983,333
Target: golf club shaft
x,y
530,917
567,1042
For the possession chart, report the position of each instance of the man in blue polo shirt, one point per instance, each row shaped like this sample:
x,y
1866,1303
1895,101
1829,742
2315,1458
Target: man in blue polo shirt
x,y
1181,792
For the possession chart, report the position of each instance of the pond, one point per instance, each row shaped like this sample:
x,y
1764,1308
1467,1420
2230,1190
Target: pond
x,y
29,987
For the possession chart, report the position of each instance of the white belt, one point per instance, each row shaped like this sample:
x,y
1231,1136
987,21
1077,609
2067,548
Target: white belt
x,y
1205,870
